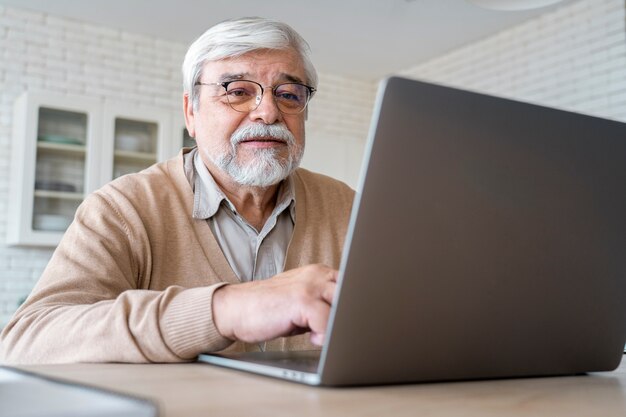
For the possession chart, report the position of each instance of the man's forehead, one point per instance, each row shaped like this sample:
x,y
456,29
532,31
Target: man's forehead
x,y
280,65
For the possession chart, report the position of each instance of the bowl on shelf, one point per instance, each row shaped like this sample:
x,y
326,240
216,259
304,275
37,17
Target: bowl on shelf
x,y
51,222
136,142
59,139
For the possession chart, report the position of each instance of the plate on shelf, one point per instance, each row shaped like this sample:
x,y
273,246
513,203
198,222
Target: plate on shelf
x,y
51,222
59,139
54,186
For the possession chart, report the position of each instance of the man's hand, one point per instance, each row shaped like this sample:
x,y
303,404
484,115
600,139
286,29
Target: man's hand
x,y
290,303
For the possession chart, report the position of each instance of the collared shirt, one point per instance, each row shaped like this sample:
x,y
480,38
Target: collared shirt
x,y
252,254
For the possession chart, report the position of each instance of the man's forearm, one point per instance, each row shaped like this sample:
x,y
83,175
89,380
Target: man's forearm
x,y
138,326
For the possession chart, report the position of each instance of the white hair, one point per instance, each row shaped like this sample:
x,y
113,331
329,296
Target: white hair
x,y
233,38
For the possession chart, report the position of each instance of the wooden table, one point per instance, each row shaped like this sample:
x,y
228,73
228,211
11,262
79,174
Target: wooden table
x,y
195,389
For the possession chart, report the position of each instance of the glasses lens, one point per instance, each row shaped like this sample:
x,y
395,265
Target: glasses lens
x,y
291,97
245,96
242,95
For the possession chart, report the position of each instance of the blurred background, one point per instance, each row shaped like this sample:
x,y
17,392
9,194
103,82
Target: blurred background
x,y
91,90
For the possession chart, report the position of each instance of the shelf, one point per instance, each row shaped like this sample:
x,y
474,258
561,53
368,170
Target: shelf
x,y
61,195
130,156
61,148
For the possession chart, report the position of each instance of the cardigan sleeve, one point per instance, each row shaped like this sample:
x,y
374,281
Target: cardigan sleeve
x,y
92,303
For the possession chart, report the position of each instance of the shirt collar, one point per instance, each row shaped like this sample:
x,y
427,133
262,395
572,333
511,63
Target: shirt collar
x,y
208,197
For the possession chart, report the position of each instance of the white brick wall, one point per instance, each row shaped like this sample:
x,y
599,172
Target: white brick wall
x,y
42,52
572,58
339,118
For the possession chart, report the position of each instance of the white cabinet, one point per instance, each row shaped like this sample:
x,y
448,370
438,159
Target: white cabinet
x,y
65,147
55,142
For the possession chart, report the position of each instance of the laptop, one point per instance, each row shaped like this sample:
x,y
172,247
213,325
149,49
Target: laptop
x,y
25,394
487,240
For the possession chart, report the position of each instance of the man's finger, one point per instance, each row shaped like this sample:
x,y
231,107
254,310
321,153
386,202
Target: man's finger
x,y
318,338
328,292
317,316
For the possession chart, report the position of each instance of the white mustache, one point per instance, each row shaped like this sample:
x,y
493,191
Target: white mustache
x,y
260,130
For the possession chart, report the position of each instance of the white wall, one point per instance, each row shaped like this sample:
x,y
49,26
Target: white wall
x,y
338,125
42,52
572,58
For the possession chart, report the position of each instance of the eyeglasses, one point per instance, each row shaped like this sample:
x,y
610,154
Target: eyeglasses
x,y
245,96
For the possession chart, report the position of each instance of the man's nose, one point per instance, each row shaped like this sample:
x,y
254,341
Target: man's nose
x,y
267,110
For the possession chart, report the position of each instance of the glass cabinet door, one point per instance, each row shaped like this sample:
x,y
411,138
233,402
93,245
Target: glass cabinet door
x,y
53,154
135,146
134,138
59,168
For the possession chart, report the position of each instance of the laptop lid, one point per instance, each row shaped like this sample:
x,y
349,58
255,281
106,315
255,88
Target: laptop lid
x,y
487,240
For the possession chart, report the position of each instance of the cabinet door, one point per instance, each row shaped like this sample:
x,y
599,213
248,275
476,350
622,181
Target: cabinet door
x,y
133,139
54,164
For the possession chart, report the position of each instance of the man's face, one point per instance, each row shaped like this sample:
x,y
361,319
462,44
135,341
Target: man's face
x,y
258,148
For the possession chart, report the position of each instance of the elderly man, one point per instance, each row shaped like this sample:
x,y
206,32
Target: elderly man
x,y
228,245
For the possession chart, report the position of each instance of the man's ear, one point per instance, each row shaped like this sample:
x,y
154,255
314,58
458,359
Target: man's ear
x,y
189,115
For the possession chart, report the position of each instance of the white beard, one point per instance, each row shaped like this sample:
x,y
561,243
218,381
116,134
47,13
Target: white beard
x,y
266,168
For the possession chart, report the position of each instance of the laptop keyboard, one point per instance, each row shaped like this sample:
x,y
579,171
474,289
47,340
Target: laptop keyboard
x,y
303,361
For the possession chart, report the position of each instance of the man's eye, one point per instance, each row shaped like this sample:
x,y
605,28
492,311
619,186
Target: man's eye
x,y
239,92
287,96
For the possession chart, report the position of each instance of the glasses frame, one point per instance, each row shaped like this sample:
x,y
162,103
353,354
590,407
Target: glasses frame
x,y
259,98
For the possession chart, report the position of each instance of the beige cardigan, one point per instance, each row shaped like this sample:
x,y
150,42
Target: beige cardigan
x,y
132,279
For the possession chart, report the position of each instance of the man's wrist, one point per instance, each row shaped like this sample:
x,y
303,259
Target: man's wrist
x,y
221,312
